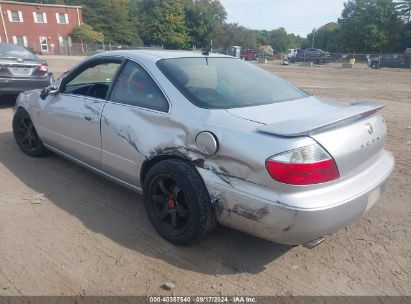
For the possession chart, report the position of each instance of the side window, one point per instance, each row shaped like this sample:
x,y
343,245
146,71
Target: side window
x,y
135,87
94,81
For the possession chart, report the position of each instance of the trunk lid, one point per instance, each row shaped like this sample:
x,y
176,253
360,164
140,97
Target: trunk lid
x,y
15,68
352,134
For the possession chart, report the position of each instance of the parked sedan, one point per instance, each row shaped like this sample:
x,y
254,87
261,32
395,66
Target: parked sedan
x,y
210,139
21,70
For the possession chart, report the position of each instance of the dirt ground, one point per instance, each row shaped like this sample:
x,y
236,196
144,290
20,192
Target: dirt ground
x,y
66,231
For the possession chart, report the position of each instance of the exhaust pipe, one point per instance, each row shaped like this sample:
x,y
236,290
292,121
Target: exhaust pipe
x,y
314,243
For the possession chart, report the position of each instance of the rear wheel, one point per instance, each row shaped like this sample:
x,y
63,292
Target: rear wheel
x,y
26,135
177,202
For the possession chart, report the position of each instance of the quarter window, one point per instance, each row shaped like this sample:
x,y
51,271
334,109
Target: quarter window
x,y
136,87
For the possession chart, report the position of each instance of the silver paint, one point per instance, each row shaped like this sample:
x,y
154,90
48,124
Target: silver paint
x,y
118,141
207,143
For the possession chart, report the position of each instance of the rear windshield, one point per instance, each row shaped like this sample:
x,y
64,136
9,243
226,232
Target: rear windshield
x,y
15,52
224,83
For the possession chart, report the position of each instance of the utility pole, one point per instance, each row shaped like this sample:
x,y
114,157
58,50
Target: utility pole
x,y
312,46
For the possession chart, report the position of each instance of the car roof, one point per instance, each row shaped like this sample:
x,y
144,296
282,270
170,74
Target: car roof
x,y
160,54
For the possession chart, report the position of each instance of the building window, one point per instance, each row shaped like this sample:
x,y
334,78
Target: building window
x,y
62,18
20,40
15,16
44,45
40,17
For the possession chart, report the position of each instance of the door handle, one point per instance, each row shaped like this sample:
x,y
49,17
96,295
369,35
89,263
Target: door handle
x,y
88,118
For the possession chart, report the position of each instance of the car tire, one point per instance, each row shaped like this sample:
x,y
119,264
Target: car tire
x,y
26,135
177,202
374,66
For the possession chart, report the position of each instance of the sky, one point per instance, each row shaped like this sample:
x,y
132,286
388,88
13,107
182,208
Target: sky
x,y
296,16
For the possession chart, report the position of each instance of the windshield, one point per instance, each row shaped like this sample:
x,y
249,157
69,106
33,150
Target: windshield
x,y
223,83
14,52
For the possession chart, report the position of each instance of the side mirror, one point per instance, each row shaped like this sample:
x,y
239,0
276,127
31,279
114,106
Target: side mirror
x,y
50,91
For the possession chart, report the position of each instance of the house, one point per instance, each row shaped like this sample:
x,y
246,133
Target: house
x,y
46,28
267,49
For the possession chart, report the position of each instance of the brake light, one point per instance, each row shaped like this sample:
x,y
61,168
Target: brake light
x,y
304,166
44,67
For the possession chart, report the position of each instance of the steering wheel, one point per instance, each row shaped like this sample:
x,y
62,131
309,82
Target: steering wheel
x,y
96,89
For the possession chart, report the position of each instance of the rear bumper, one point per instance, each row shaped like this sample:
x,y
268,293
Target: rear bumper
x,y
18,85
279,217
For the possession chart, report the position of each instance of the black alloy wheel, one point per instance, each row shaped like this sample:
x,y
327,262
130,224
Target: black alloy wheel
x,y
170,204
26,135
177,202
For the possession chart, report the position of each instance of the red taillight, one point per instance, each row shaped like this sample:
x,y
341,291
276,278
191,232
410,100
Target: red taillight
x,y
304,166
44,68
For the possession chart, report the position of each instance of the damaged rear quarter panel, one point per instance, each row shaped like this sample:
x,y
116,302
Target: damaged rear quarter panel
x,y
249,208
132,135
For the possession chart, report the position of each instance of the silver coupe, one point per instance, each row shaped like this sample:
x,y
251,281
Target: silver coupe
x,y
210,139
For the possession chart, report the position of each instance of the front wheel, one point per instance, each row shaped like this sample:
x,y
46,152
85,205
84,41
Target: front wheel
x,y
375,66
26,136
177,202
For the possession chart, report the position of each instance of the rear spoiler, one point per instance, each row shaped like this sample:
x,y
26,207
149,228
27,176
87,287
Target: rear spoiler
x,y
322,121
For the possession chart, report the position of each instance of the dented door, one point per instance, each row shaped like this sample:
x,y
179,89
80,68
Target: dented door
x,y
130,120
71,124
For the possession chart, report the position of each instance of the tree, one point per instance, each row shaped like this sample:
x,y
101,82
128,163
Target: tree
x,y
279,39
161,22
86,33
230,34
111,17
326,37
202,17
370,26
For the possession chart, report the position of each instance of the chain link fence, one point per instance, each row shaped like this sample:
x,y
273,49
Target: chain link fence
x,y
82,49
346,57
68,48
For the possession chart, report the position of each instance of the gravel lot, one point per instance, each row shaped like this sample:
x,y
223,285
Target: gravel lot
x,y
66,231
